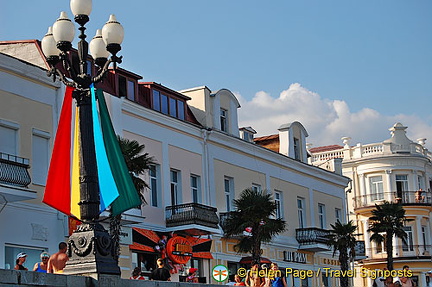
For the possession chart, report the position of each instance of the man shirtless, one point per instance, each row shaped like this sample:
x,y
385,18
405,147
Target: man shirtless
x,y
252,278
58,260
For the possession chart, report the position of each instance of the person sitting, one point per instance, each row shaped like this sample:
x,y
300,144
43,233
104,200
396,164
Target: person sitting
x,y
136,274
191,277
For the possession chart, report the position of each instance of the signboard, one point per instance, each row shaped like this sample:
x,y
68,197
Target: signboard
x,y
293,256
179,250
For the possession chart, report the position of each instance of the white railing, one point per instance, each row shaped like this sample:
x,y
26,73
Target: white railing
x,y
376,149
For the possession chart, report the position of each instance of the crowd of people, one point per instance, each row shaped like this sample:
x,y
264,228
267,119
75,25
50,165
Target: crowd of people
x,y
48,264
253,278
390,281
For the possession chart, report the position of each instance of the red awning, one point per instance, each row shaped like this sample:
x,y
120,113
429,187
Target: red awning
x,y
248,260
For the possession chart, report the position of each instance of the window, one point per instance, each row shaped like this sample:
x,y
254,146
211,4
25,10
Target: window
x,y
156,100
172,107
256,187
8,137
180,110
164,104
195,188
401,185
279,204
301,212
297,149
131,90
376,188
168,105
322,216
11,251
40,156
229,187
154,174
126,88
420,180
338,214
224,120
175,187
424,236
381,247
407,243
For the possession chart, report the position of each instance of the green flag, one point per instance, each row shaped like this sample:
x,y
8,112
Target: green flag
x,y
128,196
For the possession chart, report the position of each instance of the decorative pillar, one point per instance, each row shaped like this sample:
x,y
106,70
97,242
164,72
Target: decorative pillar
x,y
363,197
390,195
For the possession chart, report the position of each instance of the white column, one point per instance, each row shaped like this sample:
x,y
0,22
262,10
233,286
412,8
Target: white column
x,y
363,198
366,238
422,279
396,247
420,242
390,192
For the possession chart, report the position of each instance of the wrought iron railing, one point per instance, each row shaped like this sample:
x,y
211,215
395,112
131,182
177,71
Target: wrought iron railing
x,y
14,170
312,235
402,197
191,213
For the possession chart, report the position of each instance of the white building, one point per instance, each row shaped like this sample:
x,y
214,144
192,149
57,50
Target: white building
x,y
203,162
395,170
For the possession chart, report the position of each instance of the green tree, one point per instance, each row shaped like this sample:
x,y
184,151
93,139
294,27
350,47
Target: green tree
x,y
342,239
137,163
255,212
387,220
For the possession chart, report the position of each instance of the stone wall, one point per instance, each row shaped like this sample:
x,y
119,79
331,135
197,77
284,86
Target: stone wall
x,y
29,278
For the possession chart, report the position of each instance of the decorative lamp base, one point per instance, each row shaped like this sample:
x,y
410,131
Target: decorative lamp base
x,y
90,251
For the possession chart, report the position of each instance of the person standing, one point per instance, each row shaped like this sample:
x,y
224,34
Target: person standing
x,y
160,273
252,278
406,281
42,266
58,260
20,259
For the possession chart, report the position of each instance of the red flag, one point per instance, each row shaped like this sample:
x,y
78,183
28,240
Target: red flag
x,y
57,190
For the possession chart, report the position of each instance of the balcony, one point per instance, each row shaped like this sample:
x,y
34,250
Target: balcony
x,y
413,198
401,252
195,214
14,170
312,239
14,179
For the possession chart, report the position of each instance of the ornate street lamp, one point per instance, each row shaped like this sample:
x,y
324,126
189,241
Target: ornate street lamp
x,y
90,246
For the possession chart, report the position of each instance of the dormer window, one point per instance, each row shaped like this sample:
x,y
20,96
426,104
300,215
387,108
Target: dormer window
x,y
224,120
168,104
247,134
126,88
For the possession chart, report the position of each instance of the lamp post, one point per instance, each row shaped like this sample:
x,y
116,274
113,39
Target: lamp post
x,y
90,247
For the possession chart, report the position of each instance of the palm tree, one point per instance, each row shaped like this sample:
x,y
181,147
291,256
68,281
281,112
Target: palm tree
x,y
342,239
388,220
137,163
253,221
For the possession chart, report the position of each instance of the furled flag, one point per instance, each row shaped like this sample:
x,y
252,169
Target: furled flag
x,y
115,184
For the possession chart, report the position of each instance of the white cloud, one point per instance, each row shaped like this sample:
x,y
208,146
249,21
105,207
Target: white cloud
x,y
325,120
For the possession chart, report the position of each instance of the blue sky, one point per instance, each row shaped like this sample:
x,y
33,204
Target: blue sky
x,y
341,67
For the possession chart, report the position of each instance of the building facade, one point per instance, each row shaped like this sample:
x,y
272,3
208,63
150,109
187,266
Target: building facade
x,y
396,170
202,161
28,119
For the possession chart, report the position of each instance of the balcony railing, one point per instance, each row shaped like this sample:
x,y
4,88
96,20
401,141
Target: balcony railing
x,y
402,197
371,150
400,251
14,170
312,235
191,213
